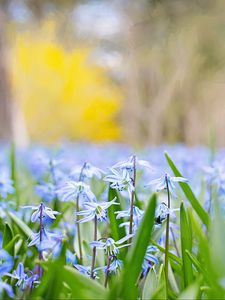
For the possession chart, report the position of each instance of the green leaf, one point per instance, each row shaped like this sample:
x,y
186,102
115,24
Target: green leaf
x,y
186,244
135,256
10,246
13,172
117,232
189,193
21,225
7,235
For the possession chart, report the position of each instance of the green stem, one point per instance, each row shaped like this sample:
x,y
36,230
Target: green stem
x,y
78,224
167,238
132,200
94,248
107,271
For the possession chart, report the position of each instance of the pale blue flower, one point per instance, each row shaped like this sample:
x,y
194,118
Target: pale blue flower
x,y
86,270
137,217
120,180
46,212
161,183
129,164
88,171
110,246
6,262
49,240
93,209
6,185
46,191
70,190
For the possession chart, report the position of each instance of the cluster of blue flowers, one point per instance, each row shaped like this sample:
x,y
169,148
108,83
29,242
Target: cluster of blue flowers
x,y
77,191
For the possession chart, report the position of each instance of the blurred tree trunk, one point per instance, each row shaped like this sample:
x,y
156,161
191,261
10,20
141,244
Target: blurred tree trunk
x,y
12,126
6,130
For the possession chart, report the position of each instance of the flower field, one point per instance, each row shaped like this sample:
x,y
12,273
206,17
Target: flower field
x,y
109,222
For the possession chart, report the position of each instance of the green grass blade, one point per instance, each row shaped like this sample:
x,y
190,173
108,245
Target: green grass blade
x,y
116,231
20,224
134,260
186,244
189,193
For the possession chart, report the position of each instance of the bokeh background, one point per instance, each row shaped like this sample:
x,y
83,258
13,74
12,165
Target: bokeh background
x,y
138,72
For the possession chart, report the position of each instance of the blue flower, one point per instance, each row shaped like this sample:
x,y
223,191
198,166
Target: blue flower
x,y
115,265
137,216
161,183
23,280
49,240
46,212
6,262
5,286
5,266
129,164
86,270
6,185
46,190
88,171
70,190
110,246
93,209
120,180
149,259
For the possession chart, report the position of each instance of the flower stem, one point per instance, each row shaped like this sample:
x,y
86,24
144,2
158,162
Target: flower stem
x,y
167,238
132,200
78,224
41,228
94,248
107,271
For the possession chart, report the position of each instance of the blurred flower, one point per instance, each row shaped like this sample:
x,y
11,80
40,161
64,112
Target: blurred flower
x,y
6,185
49,240
6,264
86,270
46,191
161,183
88,171
95,209
23,280
149,259
70,190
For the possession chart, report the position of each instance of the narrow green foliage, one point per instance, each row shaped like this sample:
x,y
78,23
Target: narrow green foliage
x,y
117,232
14,173
189,193
134,260
186,244
20,224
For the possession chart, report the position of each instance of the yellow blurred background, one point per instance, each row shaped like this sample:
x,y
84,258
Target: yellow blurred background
x,y
140,72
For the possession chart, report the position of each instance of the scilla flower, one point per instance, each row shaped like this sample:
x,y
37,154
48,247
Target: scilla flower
x,y
149,259
93,209
6,263
46,212
6,185
161,183
88,171
23,279
110,246
70,190
86,270
129,164
120,180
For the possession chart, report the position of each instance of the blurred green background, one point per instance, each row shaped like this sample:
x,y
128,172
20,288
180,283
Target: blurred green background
x,y
139,72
